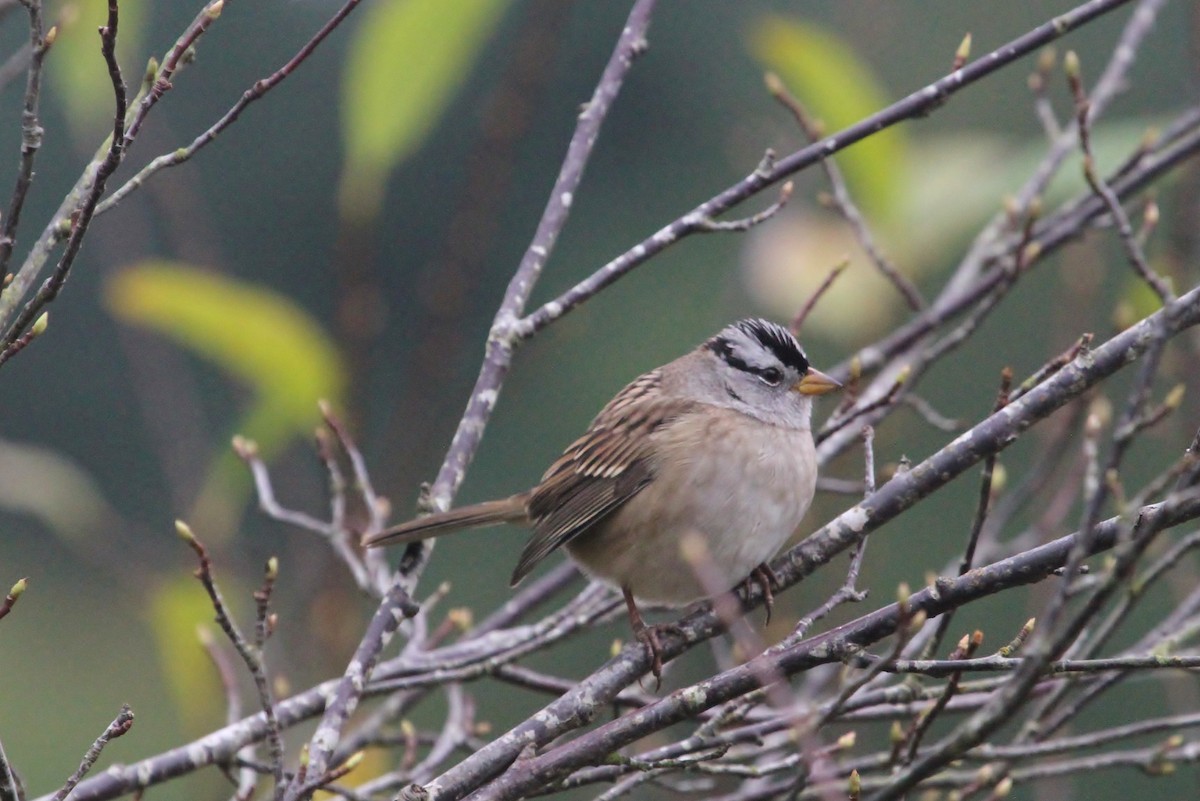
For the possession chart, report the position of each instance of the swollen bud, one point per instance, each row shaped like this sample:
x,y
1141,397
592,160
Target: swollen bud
x,y
1071,65
184,531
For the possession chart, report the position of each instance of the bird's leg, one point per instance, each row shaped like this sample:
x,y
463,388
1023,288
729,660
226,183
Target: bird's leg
x,y
646,635
766,580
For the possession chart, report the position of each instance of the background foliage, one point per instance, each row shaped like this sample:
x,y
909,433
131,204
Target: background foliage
x,y
349,238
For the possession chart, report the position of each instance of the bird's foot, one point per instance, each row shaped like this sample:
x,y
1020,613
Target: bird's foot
x,y
767,581
647,635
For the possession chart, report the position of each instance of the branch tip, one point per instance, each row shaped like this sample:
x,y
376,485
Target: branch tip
x,y
774,85
1047,58
244,448
1071,66
1175,397
963,52
184,531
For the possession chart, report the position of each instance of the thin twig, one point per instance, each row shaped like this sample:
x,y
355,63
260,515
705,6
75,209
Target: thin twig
x,y
754,220
982,506
810,304
74,214
246,779
10,789
255,92
966,647
334,532
987,664
14,592
396,606
122,723
81,218
31,130
508,330
250,654
1039,80
1129,240
842,200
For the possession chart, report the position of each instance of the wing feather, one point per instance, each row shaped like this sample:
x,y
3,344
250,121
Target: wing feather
x,y
600,471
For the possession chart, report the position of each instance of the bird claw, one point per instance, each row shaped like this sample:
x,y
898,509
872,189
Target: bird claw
x,y
648,636
766,580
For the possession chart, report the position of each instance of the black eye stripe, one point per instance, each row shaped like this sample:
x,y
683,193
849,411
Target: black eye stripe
x,y
723,349
774,338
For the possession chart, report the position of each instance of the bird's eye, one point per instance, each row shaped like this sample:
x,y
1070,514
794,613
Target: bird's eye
x,y
771,376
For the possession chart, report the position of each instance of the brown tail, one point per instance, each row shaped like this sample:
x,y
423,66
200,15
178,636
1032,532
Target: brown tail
x,y
489,513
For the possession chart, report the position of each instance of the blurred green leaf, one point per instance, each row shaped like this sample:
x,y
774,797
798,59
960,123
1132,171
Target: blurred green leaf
x,y
178,607
962,181
76,70
52,488
1137,301
255,334
964,178
407,60
838,87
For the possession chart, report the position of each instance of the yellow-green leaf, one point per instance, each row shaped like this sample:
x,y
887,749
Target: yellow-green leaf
x,y
252,332
255,334
837,87
76,69
407,60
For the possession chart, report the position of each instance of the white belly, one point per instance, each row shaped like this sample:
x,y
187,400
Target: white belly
x,y
742,496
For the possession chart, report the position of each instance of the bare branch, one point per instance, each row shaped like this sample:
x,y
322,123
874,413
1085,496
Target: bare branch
x,y
31,130
251,654
255,92
508,329
841,199
121,724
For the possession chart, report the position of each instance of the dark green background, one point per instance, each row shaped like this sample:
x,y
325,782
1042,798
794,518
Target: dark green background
x,y
260,205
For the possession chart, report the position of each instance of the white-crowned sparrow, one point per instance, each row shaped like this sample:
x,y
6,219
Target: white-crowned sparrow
x,y
715,445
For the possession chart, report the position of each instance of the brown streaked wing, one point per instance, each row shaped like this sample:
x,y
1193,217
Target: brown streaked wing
x,y
601,470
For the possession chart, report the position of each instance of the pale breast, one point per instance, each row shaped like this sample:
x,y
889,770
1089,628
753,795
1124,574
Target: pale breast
x,y
738,485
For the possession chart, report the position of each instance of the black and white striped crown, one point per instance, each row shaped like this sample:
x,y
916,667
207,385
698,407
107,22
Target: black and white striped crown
x,y
751,344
